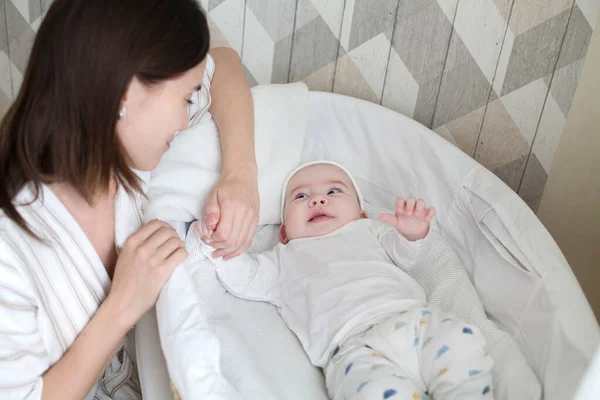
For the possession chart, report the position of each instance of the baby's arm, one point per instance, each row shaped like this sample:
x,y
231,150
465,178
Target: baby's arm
x,y
410,240
249,277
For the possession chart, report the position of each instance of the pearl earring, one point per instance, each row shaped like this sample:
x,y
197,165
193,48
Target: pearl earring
x,y
123,113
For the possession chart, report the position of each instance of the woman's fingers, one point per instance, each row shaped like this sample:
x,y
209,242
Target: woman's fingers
x,y
248,230
159,237
168,248
232,242
224,227
173,261
144,233
236,234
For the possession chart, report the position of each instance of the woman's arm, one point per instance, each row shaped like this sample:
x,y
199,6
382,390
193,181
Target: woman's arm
x,y
232,210
233,111
74,375
24,366
145,263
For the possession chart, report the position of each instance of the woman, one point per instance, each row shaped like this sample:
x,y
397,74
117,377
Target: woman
x,y
107,86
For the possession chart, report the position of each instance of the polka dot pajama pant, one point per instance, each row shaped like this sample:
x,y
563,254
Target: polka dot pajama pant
x,y
417,355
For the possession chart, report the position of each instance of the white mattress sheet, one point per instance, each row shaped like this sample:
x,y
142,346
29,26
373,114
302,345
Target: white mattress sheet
x,y
447,173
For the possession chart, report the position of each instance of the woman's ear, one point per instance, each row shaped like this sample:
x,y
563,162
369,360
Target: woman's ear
x,y
363,214
136,91
283,235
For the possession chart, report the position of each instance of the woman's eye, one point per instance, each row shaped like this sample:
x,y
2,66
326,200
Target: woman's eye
x,y
334,191
193,98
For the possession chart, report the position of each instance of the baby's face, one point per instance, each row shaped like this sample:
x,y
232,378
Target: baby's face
x,y
319,199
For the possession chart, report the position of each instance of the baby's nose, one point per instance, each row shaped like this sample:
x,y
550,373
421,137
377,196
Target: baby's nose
x,y
318,200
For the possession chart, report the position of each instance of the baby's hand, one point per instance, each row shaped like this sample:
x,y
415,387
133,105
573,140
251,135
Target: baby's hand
x,y
411,219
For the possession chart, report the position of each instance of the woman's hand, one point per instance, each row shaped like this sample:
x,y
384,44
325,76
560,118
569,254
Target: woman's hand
x,y
231,216
144,265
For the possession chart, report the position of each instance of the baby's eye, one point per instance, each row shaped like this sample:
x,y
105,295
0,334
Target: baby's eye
x,y
300,196
334,191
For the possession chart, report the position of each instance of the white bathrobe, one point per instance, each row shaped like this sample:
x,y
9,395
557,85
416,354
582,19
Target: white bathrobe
x,y
49,291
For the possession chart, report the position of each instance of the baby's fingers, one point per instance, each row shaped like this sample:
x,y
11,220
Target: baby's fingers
x,y
429,214
419,208
208,227
400,206
200,229
410,206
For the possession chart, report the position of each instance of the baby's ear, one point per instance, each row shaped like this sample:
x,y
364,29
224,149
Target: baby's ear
x,y
283,235
363,214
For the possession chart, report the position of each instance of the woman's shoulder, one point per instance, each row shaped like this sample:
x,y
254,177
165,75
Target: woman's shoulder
x,y
11,247
210,67
24,200
21,252
38,211
14,239
19,294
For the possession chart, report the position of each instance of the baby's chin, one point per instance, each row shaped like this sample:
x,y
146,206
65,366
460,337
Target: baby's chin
x,y
323,229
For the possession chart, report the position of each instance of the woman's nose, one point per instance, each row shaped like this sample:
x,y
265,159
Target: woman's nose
x,y
322,200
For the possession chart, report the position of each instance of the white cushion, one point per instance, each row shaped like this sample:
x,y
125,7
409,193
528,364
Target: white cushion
x,y
190,168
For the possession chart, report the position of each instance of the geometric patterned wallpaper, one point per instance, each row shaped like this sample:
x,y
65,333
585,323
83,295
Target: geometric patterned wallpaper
x,y
494,77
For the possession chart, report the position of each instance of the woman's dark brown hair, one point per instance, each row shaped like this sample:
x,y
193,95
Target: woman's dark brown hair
x,y
61,127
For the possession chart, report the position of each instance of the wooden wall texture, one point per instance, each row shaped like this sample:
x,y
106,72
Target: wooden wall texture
x,y
494,77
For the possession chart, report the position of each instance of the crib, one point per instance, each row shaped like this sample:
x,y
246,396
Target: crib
x,y
518,273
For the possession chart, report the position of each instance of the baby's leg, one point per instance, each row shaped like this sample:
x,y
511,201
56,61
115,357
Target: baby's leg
x,y
453,360
362,373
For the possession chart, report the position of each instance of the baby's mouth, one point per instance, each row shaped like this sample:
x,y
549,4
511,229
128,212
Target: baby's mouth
x,y
320,217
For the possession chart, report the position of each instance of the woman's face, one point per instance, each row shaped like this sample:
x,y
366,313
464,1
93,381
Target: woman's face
x,y
154,115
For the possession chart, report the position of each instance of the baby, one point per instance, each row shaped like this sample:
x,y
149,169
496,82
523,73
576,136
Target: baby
x,y
339,282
